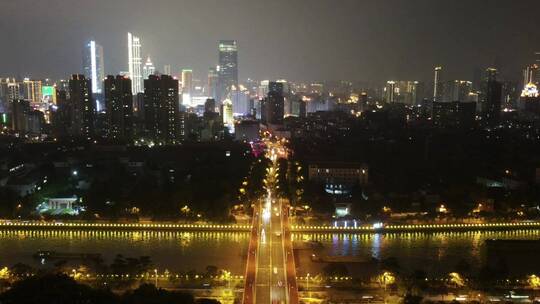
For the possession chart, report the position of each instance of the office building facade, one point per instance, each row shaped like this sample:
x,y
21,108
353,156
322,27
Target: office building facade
x,y
135,63
228,67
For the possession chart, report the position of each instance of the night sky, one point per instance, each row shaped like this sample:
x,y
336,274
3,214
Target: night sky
x,y
366,40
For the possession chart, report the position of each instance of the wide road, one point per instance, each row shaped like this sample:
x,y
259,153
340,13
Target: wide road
x,y
270,254
290,266
251,263
271,277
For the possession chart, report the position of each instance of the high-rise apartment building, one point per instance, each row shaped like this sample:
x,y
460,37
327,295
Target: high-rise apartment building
x,y
492,95
9,89
32,90
81,107
119,104
161,108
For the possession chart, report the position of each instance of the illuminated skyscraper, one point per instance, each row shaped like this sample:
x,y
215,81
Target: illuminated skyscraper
x,y
32,90
438,85
149,68
228,119
228,67
213,79
135,63
187,86
241,101
93,66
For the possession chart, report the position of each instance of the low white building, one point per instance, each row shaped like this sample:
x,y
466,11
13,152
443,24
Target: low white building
x,y
61,203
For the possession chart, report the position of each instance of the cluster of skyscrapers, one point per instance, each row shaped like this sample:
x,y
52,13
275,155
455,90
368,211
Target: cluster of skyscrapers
x,y
145,105
141,104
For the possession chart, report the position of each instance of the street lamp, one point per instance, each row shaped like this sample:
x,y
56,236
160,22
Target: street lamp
x,y
227,276
156,273
534,281
185,210
387,278
456,279
4,273
307,285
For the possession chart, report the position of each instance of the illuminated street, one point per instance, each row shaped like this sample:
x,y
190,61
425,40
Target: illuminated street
x,y
275,273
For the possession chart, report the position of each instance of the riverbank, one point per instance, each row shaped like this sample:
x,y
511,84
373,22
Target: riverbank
x,y
164,226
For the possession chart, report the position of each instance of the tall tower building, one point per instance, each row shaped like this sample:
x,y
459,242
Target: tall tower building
x,y
135,63
93,65
492,95
272,111
149,68
82,107
457,90
210,106
228,119
187,86
213,79
161,108
119,103
32,90
167,69
241,101
10,89
438,85
20,110
390,91
401,91
228,67
362,102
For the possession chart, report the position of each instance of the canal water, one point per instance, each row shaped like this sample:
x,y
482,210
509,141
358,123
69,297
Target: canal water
x,y
434,252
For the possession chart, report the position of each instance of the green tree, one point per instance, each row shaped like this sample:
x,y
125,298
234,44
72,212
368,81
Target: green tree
x,y
55,289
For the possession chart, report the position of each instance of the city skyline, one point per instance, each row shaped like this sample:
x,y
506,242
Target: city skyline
x,y
377,42
265,152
